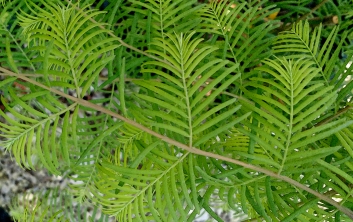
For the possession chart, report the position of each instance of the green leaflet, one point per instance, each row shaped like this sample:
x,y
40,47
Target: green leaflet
x,y
158,110
75,44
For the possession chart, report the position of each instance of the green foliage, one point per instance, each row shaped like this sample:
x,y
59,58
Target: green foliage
x,y
157,109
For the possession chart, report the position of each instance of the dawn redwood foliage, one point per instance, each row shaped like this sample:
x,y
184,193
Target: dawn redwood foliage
x,y
156,110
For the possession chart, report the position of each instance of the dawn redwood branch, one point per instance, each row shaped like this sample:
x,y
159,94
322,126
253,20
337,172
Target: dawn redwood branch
x,y
190,149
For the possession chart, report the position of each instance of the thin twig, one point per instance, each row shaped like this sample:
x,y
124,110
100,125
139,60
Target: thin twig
x,y
312,10
330,118
193,150
287,26
120,40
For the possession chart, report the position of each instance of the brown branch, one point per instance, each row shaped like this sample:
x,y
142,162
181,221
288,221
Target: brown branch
x,y
287,26
312,10
330,118
190,149
327,20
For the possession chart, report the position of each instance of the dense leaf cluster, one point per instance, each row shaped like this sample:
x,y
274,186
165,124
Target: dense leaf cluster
x,y
158,109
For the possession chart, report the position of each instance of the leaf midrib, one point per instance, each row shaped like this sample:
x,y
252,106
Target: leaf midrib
x,y
39,123
290,127
142,191
313,56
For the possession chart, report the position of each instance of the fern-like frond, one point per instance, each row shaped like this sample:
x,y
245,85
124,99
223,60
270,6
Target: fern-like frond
x,y
127,148
184,99
153,187
287,111
167,16
32,133
72,48
288,138
162,135
265,197
242,29
93,139
181,104
13,53
300,42
153,180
